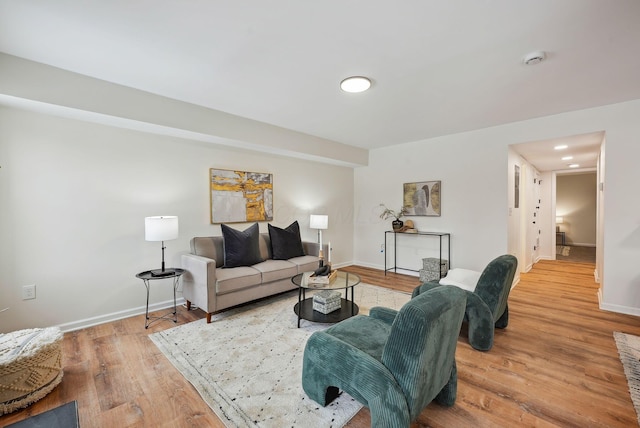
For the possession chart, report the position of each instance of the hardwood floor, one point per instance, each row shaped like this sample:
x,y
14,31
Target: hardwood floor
x,y
556,364
579,254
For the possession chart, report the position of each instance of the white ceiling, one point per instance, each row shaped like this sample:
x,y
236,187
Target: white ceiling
x,y
583,149
438,66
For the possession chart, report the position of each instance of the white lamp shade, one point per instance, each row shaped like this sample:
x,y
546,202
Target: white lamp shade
x,y
559,219
319,221
160,228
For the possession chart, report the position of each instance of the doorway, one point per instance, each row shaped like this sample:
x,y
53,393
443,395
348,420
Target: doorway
x,y
576,216
547,160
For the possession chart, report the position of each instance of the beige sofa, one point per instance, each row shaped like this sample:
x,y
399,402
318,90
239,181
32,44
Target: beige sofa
x,y
213,288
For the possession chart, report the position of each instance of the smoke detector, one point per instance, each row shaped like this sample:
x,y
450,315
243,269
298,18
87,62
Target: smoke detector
x,y
534,58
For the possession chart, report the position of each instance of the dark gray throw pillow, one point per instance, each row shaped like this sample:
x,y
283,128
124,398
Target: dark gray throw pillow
x,y
241,248
286,243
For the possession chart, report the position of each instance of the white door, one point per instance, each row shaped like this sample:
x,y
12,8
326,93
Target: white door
x,y
535,222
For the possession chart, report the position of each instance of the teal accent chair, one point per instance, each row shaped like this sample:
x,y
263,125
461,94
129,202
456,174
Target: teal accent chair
x,y
393,362
487,306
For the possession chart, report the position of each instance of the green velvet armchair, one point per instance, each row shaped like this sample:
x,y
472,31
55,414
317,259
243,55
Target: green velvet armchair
x,y
393,362
487,306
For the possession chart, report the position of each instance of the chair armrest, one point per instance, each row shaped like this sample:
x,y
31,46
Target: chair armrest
x,y
425,287
199,281
383,314
371,385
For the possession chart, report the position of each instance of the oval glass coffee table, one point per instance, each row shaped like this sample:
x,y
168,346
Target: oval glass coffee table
x,y
304,307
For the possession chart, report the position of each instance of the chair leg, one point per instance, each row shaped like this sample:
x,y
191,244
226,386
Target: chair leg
x,y
480,332
447,396
503,321
481,324
389,411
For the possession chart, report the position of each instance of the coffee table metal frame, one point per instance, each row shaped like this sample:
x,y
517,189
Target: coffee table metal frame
x,y
304,307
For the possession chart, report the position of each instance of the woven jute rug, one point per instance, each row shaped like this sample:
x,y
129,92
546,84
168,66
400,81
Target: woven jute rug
x,y
247,363
629,351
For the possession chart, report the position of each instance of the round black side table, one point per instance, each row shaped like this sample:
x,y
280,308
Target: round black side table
x,y
146,277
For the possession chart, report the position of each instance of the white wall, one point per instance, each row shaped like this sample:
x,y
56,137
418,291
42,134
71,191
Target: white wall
x,y
74,196
516,235
600,215
475,192
576,204
473,199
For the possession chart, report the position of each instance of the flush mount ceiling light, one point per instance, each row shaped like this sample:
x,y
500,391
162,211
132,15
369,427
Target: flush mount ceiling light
x,y
574,165
355,84
560,147
567,158
534,58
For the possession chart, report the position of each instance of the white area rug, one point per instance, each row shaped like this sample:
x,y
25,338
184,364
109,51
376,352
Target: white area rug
x,y
247,364
629,350
562,250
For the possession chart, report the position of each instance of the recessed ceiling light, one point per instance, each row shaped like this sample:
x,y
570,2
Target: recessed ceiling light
x,y
567,158
355,84
574,165
560,147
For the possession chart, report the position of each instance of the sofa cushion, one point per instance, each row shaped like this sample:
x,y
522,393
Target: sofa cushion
x,y
241,248
286,243
305,263
238,278
274,270
265,246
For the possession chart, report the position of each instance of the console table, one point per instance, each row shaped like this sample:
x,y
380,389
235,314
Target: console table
x,y
395,266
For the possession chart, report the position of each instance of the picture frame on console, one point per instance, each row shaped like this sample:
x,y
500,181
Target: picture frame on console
x,y
240,196
422,198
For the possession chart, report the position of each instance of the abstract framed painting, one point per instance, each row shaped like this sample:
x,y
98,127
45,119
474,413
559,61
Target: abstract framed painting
x,y
422,198
240,196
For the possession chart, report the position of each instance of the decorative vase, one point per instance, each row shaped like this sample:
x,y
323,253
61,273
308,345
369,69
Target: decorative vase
x,y
397,224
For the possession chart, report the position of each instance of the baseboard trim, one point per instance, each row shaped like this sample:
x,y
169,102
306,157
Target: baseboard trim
x,y
616,308
368,265
114,316
381,268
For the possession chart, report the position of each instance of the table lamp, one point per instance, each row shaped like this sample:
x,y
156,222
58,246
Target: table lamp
x,y
161,228
319,222
559,220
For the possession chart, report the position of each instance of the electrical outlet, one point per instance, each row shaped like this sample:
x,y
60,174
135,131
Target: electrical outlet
x,y
28,292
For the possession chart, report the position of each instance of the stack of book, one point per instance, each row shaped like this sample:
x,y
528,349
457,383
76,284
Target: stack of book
x,y
322,279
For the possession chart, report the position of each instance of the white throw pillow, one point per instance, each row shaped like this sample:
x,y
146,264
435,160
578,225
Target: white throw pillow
x,y
463,278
